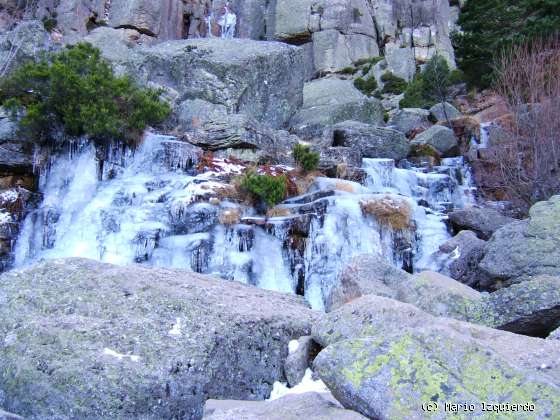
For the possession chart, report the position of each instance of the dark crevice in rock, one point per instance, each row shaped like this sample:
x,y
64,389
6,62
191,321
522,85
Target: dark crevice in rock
x,y
142,31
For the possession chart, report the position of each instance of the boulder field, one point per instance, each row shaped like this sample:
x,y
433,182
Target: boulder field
x,y
81,337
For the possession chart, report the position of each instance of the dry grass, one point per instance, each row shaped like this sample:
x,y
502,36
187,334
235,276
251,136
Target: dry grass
x,y
389,211
304,182
344,186
278,212
230,217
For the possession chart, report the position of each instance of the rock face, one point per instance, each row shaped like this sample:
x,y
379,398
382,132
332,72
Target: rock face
x,y
384,359
526,248
329,101
310,405
23,42
371,141
215,71
137,342
439,137
482,221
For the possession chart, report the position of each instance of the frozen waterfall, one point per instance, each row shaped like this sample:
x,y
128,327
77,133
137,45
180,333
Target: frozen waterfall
x,y
150,207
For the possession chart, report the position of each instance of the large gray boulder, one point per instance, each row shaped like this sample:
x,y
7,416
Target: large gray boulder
x,y
516,309
482,221
385,359
329,101
299,359
443,112
439,137
527,248
366,274
530,308
309,405
4,415
371,141
237,131
459,258
407,119
83,339
215,71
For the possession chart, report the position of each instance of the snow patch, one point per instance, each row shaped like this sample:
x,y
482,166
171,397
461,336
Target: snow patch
x,y
176,330
113,353
293,346
307,384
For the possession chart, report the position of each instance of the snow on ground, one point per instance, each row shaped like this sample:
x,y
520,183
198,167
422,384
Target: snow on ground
x,y
307,384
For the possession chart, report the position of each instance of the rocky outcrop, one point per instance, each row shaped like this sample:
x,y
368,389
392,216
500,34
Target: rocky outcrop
x,y
482,221
215,71
384,359
137,342
439,137
310,405
527,248
329,101
371,141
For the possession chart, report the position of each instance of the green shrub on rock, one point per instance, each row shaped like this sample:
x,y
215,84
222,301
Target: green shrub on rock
x,y
75,92
366,86
393,84
304,157
431,86
268,188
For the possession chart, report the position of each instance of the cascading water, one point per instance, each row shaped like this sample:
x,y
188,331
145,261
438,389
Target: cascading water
x,y
150,207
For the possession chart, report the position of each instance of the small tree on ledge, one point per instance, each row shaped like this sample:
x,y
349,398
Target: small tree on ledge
x,y
75,92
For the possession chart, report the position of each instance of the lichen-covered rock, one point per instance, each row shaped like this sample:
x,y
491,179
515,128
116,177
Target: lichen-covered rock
x,y
309,405
441,138
482,221
381,321
391,377
329,101
439,295
371,141
400,61
409,119
81,339
527,248
530,308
